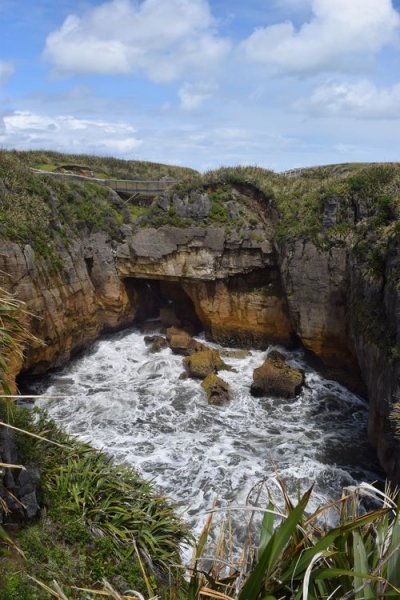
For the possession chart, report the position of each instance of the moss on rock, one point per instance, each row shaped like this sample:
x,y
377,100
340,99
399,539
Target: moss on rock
x,y
217,389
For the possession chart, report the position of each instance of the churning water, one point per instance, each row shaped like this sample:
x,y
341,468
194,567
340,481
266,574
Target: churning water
x,y
132,404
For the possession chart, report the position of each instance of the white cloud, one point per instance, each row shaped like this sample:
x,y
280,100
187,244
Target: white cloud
x,y
24,129
192,96
338,31
6,71
161,39
360,100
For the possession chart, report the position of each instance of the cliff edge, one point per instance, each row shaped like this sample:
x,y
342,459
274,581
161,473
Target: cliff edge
x,y
253,257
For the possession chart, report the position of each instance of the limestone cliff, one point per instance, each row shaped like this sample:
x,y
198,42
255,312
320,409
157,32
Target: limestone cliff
x,y
254,263
68,308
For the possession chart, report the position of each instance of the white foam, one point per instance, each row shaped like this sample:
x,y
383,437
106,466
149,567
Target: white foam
x,y
132,404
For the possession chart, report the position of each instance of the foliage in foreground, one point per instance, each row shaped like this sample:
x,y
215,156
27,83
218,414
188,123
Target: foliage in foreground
x,y
99,520
299,558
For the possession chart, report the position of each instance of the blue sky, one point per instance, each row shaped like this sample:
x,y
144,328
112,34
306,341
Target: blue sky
x,y
203,83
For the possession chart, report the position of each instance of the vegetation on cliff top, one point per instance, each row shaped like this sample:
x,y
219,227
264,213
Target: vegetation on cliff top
x,y
42,210
103,167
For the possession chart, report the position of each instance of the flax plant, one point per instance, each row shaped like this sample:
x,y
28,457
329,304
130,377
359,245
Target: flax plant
x,y
298,558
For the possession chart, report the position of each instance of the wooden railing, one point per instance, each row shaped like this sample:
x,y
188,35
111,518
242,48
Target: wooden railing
x,y
123,186
147,188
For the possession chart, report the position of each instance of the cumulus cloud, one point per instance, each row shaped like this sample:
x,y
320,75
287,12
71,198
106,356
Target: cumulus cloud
x,y
360,100
6,71
161,39
24,129
338,31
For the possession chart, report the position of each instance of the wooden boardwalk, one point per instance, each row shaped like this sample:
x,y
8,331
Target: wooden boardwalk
x,y
132,187
143,188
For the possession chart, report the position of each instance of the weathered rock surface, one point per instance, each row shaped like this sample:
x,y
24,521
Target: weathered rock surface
x,y
316,285
182,343
275,378
247,311
375,329
190,253
193,206
17,492
217,390
202,363
68,308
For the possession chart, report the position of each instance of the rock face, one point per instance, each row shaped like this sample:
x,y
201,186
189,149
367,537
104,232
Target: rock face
x,y
241,288
375,329
317,284
173,253
276,378
17,491
68,308
248,310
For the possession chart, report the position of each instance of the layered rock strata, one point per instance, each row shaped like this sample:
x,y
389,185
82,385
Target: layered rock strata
x,y
243,291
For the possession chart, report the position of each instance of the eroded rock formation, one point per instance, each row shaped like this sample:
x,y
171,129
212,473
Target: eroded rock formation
x,y
242,289
276,378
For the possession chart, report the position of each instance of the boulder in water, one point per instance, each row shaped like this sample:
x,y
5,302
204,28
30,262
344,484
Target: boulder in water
x,y
276,378
182,343
217,389
200,364
240,353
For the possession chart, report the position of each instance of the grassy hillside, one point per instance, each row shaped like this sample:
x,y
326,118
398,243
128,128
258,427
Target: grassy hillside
x,y
37,209
103,167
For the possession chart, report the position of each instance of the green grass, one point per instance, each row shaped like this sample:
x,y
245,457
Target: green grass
x,y
100,520
102,167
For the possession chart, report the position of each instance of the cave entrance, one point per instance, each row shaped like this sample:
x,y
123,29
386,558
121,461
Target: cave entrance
x,y
163,300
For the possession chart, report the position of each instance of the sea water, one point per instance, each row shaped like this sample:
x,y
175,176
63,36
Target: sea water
x,y
132,404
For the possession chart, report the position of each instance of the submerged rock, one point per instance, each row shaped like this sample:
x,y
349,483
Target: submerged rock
x,y
156,343
217,389
276,378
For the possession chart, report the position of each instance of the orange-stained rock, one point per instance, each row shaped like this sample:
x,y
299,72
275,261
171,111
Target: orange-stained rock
x,y
275,378
201,364
249,310
181,342
70,306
